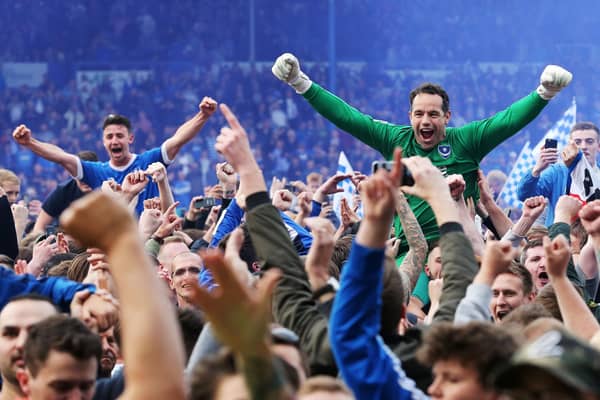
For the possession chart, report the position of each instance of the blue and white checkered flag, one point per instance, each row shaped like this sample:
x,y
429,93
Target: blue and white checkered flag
x,y
344,167
526,160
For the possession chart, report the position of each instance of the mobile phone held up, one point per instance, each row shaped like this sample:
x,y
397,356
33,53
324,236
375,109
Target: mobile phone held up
x,y
206,202
407,178
550,144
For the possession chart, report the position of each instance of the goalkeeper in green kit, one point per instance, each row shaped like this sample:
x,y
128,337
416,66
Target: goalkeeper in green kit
x,y
452,150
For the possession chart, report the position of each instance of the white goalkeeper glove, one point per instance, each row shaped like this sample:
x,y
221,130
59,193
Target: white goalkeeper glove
x,y
287,68
552,81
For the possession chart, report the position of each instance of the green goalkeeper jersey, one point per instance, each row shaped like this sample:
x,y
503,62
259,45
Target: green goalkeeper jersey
x,y
459,153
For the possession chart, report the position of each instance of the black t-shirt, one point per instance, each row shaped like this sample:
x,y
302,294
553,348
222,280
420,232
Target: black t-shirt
x,y
61,198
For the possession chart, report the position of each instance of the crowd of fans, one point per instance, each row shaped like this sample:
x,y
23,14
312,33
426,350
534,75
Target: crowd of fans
x,y
290,140
198,254
276,297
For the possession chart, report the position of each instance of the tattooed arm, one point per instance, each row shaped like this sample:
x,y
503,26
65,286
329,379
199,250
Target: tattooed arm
x,y
415,258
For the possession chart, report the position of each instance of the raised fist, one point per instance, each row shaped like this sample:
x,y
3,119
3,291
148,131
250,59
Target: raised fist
x,y
208,106
22,135
287,68
553,79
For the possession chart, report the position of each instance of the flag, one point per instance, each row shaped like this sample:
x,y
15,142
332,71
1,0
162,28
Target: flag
x,y
344,167
528,156
524,164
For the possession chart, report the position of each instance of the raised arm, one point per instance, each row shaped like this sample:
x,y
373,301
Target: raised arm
x,y
576,314
151,341
22,135
489,133
158,172
293,304
377,134
190,128
533,207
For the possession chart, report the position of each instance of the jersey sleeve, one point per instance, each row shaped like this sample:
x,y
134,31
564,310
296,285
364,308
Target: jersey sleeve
x,y
91,173
530,186
164,155
481,137
380,135
157,154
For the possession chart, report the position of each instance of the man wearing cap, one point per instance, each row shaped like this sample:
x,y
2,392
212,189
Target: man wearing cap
x,y
556,365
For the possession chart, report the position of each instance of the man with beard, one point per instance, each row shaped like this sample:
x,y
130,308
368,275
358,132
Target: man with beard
x,y
117,136
19,314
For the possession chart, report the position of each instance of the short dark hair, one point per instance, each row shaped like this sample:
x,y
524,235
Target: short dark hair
x,y
31,297
392,297
525,314
210,371
480,345
518,270
323,383
63,334
431,88
87,155
341,250
116,119
585,125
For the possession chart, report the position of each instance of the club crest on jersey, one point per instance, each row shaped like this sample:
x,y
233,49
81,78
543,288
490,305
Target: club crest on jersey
x,y
444,150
